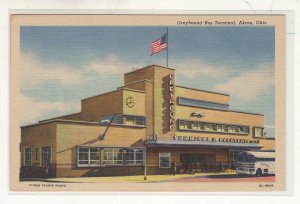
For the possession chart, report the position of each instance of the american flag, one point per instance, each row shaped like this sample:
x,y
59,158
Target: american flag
x,y
159,45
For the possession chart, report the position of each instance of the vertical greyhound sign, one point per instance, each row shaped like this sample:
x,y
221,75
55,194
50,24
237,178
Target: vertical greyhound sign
x,y
171,101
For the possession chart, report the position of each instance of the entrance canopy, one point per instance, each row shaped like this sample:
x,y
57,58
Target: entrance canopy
x,y
182,143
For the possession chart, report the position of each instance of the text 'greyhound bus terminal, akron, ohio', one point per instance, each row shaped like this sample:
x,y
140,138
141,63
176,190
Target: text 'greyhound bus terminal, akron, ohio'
x,y
144,125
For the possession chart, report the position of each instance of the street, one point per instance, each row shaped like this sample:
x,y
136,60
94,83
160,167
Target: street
x,y
227,178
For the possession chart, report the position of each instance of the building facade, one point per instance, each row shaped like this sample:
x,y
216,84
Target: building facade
x,y
142,127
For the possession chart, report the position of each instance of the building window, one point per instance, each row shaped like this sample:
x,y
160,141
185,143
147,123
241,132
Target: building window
x,y
124,120
164,160
94,156
134,156
134,120
233,129
27,156
46,155
212,127
189,125
139,121
36,154
199,126
202,104
113,156
222,128
186,125
258,132
129,120
182,125
88,156
139,156
244,130
83,156
117,119
97,156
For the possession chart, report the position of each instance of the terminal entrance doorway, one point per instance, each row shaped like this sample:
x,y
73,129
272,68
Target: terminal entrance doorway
x,y
197,162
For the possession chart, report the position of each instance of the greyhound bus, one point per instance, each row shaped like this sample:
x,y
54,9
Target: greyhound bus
x,y
256,163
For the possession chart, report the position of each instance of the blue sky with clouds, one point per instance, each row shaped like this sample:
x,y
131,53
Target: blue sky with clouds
x,y
62,65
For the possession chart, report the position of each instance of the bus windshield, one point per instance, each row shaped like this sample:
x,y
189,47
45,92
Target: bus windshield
x,y
244,157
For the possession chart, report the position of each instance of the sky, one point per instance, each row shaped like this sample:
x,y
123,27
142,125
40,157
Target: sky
x,y
60,66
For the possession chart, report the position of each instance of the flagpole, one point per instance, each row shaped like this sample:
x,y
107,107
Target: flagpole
x,y
167,48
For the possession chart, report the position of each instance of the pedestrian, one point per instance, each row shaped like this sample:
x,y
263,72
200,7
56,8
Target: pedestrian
x,y
173,167
204,169
46,170
220,167
50,170
232,166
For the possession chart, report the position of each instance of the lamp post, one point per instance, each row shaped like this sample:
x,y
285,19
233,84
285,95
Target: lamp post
x,y
145,165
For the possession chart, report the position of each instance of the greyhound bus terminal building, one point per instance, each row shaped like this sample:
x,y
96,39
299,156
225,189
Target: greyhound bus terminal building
x,y
147,123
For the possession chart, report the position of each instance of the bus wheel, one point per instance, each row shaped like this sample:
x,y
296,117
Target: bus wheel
x,y
258,172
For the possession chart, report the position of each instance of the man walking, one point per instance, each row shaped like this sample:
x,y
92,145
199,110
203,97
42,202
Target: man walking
x,y
173,167
220,168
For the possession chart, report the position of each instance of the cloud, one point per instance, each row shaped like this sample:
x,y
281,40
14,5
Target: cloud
x,y
32,111
193,68
108,65
33,72
250,84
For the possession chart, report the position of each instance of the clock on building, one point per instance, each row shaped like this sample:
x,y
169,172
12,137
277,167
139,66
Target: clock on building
x,y
129,102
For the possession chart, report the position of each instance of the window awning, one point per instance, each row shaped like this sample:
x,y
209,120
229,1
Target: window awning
x,y
180,143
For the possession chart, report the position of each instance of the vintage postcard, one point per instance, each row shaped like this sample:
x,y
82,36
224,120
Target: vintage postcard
x,y
148,103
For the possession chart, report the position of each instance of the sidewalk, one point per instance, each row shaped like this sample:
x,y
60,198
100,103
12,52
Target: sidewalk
x,y
134,179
